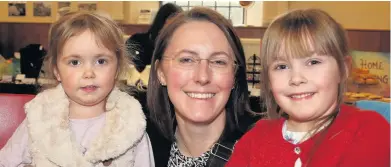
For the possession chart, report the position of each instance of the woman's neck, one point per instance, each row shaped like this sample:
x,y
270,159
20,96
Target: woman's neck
x,y
195,139
77,111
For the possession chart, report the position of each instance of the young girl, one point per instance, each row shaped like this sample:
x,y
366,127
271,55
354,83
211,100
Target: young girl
x,y
85,120
305,65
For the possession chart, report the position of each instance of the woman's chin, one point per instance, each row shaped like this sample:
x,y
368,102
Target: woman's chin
x,y
202,117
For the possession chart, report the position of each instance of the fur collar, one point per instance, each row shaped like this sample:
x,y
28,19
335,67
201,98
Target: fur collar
x,y
51,138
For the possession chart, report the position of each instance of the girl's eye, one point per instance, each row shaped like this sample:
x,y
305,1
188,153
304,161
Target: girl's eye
x,y
313,62
281,67
101,61
74,62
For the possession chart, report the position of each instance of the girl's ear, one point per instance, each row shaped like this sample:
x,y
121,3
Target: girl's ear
x,y
56,74
117,72
348,60
160,74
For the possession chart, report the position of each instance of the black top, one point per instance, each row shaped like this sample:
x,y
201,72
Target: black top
x,y
140,47
161,146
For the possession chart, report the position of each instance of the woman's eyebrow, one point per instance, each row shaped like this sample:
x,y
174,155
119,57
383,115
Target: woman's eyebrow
x,y
220,53
186,51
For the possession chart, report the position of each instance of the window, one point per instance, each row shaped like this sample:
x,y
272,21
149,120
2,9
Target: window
x,y
229,9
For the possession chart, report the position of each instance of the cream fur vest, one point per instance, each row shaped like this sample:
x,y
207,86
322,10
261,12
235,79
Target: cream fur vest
x,y
51,142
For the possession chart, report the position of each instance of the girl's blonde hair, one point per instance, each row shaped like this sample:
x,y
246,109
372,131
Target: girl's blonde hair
x,y
299,33
107,33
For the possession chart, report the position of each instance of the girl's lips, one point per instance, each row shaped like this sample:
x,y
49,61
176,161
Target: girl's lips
x,y
301,96
89,88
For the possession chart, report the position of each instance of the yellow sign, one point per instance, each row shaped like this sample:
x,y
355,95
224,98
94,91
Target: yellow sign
x,y
378,64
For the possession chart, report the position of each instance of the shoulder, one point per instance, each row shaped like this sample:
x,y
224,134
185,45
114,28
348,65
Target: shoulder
x,y
253,141
262,128
367,137
144,154
272,124
161,146
359,115
118,96
357,119
127,108
161,150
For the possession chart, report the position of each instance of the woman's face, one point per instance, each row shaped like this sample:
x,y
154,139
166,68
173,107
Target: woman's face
x,y
198,69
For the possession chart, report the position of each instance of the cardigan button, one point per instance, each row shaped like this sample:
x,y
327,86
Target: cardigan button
x,y
107,162
297,150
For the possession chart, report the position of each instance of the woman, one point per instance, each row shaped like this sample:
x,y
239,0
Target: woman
x,y
197,92
141,44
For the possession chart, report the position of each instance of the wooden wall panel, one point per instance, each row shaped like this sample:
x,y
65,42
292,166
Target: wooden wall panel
x,y
369,40
18,35
250,32
132,29
3,39
385,41
14,36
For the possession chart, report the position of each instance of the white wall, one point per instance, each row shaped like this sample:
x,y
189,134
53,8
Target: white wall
x,y
254,14
132,11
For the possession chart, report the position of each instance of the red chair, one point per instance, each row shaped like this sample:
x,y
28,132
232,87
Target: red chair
x,y
11,114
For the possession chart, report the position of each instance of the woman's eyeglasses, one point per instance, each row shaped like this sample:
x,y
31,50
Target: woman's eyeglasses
x,y
218,64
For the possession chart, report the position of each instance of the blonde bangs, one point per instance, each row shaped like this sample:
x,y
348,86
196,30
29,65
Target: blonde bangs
x,y
103,32
299,34
295,43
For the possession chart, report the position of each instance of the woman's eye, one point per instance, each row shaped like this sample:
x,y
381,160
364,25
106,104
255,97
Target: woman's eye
x,y
74,62
185,60
220,62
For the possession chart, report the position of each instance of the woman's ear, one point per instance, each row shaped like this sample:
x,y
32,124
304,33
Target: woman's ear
x,y
160,73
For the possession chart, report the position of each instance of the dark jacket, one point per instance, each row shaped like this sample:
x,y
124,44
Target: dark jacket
x,y
161,146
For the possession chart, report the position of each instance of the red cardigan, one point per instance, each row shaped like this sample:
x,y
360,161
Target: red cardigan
x,y
356,138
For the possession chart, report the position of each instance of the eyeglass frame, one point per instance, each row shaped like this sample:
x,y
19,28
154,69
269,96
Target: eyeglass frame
x,y
198,60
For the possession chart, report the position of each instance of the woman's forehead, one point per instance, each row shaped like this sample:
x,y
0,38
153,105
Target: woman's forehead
x,y
189,37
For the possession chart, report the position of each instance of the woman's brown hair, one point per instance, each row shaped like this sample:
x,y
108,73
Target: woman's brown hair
x,y
161,109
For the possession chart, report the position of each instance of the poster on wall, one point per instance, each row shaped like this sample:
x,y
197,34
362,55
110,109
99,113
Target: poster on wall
x,y
17,9
144,16
370,73
63,8
87,6
42,9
